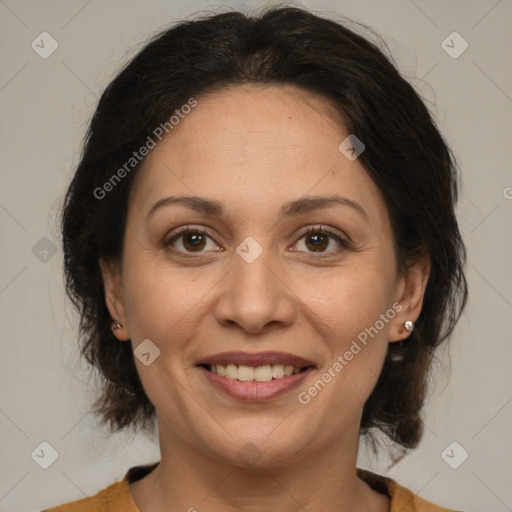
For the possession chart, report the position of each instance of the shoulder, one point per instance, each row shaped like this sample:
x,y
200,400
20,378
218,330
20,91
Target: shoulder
x,y
402,499
115,495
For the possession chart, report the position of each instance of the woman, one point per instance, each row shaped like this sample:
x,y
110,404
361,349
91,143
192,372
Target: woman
x,y
261,240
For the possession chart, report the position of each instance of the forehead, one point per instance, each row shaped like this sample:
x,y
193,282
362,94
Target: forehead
x,y
241,125
262,144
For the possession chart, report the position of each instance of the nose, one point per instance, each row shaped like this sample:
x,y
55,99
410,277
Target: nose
x,y
255,296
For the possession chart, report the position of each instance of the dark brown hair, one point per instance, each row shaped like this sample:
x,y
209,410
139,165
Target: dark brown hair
x,y
405,155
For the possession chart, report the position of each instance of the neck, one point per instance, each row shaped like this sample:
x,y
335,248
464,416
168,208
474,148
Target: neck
x,y
188,479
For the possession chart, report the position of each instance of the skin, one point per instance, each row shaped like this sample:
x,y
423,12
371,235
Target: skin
x,y
254,149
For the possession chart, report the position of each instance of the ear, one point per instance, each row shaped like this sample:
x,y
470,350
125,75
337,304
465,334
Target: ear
x,y
112,282
410,293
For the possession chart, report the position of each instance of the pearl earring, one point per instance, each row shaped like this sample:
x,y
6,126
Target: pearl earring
x,y
116,325
409,326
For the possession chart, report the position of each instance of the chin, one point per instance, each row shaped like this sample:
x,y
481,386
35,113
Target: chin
x,y
261,450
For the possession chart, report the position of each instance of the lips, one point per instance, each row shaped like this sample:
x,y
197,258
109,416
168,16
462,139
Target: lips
x,y
255,377
256,359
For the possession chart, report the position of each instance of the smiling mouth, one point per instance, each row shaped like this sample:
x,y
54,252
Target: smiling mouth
x,y
244,373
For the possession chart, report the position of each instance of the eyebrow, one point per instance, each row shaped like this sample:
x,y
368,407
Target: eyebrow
x,y
292,208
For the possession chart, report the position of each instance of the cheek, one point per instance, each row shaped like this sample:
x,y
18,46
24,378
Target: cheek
x,y
160,308
350,301
348,312
354,312
163,302
154,297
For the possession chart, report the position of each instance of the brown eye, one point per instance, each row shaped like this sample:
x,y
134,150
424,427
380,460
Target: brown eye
x,y
190,240
317,241
194,241
320,239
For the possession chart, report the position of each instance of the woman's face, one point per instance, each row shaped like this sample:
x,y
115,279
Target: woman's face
x,y
255,281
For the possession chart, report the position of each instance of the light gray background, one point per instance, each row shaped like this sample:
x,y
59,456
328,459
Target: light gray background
x,y
45,106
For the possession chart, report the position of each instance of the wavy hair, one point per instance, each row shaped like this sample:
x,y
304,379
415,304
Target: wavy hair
x,y
405,155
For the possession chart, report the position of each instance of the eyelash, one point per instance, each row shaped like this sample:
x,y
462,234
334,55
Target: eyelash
x,y
323,230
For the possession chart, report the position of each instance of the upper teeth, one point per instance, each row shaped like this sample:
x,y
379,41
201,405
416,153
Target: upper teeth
x,y
260,373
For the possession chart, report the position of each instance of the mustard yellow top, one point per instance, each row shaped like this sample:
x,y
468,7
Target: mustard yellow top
x,y
117,498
